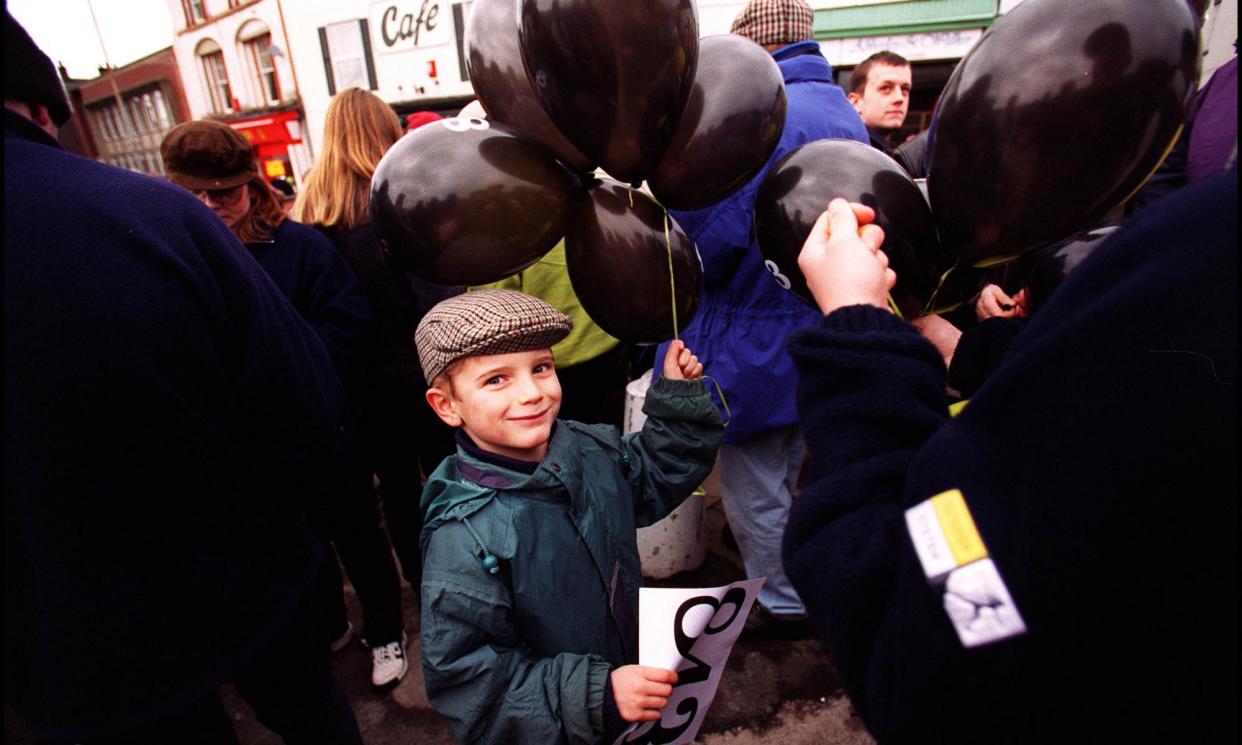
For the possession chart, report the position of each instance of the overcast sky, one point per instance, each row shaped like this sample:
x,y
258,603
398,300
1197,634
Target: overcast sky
x,y
131,29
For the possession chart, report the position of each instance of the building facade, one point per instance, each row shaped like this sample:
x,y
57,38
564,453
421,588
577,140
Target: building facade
x,y
123,115
270,67
238,68
410,53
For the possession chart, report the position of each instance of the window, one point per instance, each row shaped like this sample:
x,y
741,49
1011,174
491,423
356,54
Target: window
x,y
259,49
101,126
136,115
216,78
162,116
195,12
347,58
111,122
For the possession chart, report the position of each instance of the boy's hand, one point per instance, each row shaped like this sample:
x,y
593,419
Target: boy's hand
x,y
642,691
680,363
843,263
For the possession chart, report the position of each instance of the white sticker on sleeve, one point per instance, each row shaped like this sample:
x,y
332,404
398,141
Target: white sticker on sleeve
x,y
979,605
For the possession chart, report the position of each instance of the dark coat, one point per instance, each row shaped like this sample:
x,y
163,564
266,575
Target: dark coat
x,y
157,389
320,284
399,301
1100,463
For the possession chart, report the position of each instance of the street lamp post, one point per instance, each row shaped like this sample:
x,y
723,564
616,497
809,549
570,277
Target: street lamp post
x,y
125,117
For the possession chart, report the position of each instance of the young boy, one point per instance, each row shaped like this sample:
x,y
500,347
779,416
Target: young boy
x,y
531,571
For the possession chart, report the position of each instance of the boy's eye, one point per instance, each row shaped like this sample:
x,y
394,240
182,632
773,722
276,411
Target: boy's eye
x,y
543,367
494,380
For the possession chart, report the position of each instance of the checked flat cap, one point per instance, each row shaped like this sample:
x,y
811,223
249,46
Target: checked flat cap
x,y
486,322
775,21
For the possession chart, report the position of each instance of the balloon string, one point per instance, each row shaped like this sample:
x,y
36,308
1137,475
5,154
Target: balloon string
x,y
892,304
672,285
723,402
931,301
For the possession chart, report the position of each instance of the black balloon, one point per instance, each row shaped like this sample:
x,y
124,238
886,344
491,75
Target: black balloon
x,y
463,202
731,124
619,265
494,63
1048,267
612,74
1057,114
800,185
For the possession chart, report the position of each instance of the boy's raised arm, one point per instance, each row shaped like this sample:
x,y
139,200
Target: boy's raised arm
x,y
676,449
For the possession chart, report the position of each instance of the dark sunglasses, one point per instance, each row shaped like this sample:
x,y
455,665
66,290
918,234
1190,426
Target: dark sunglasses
x,y
221,196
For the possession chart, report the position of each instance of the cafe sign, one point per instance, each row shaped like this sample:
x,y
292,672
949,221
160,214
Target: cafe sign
x,y
407,25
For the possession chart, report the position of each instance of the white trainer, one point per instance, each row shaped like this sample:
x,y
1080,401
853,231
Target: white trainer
x,y
388,663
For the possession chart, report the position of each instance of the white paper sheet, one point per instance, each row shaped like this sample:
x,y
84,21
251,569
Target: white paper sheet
x,y
691,631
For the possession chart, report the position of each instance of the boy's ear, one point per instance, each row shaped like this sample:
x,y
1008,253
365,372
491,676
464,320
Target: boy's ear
x,y
443,406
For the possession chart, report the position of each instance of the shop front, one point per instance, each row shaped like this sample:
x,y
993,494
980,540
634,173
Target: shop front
x,y
279,149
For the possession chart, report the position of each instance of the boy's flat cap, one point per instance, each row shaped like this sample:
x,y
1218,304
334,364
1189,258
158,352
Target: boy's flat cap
x,y
486,322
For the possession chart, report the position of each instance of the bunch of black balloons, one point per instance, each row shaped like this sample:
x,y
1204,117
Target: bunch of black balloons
x,y
1056,116
569,85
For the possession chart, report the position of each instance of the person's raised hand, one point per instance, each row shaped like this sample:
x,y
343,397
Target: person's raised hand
x,y
994,303
842,262
680,363
641,691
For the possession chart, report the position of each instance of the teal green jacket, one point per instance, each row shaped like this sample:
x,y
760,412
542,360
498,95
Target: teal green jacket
x,y
522,654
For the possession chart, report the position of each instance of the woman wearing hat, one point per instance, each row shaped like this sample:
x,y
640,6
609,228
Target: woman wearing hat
x,y
216,163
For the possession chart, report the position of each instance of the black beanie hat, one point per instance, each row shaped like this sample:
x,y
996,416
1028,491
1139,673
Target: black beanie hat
x,y
29,75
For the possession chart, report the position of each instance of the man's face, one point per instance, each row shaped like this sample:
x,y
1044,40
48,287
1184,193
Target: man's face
x,y
886,98
507,403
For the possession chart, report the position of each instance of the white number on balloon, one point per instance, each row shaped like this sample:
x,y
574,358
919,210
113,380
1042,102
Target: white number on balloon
x,y
776,272
459,124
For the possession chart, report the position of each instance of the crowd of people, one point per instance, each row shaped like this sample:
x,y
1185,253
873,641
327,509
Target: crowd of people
x,y
217,398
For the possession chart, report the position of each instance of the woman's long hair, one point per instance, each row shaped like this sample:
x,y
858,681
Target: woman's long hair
x,y
265,213
358,129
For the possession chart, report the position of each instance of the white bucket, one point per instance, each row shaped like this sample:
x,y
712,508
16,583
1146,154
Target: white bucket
x,y
676,543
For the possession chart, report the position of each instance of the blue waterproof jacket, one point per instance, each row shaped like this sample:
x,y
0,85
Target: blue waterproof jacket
x,y
744,316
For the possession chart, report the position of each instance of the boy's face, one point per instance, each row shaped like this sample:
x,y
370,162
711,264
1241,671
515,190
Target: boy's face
x,y
507,403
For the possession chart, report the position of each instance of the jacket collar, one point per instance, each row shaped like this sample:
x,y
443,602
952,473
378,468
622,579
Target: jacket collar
x,y
19,126
803,62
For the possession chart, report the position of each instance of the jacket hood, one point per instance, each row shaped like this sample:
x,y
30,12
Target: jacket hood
x,y
803,62
448,496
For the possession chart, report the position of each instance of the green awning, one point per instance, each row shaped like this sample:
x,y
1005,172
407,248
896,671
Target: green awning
x,y
915,16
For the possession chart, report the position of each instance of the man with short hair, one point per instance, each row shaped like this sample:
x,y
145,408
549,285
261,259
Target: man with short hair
x,y
880,92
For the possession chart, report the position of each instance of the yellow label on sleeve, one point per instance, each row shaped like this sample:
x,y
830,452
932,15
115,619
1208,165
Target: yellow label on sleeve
x,y
959,527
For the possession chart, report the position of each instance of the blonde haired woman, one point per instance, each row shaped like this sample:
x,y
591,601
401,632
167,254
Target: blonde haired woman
x,y
397,424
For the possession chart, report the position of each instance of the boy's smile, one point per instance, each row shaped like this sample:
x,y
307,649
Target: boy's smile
x,y
506,403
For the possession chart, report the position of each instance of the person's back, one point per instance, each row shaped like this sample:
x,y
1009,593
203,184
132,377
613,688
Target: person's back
x,y
531,569
154,378
744,315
